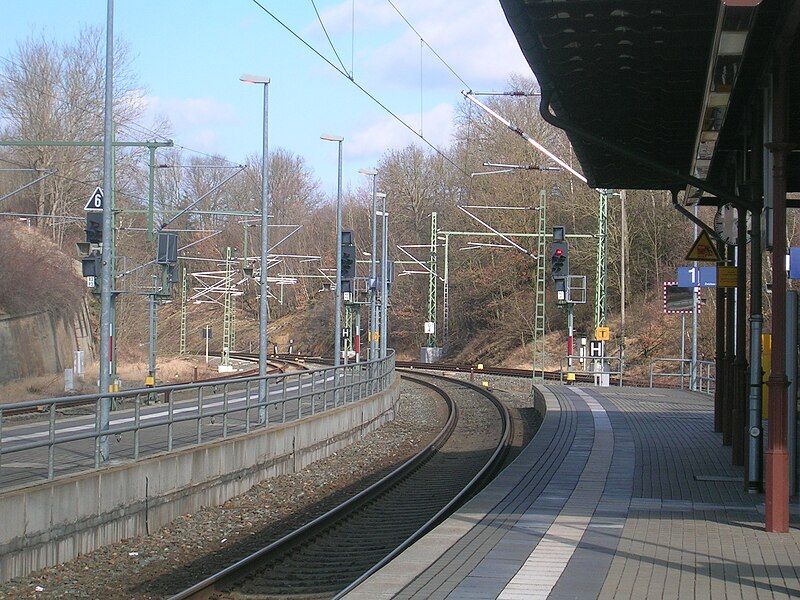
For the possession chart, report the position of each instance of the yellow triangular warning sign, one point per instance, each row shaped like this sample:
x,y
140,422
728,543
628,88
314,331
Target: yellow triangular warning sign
x,y
703,249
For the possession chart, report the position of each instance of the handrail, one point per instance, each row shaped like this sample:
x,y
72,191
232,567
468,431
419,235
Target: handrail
x,y
702,377
288,396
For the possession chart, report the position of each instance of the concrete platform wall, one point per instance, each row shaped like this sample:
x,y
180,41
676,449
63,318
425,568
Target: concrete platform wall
x,y
53,522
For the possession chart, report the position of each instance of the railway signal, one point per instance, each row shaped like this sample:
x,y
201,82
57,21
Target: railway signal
x,y
348,262
559,254
92,247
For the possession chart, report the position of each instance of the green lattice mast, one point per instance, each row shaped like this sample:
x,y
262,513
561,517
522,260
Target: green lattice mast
x,y
432,286
228,297
539,354
184,309
602,264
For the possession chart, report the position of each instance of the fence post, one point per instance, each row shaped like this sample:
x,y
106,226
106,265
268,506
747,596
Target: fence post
x,y
52,442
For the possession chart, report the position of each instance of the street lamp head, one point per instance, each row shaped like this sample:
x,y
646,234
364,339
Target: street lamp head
x,y
380,195
331,138
368,171
249,78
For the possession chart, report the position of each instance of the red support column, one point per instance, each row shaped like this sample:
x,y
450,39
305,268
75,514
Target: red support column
x,y
729,396
740,388
776,458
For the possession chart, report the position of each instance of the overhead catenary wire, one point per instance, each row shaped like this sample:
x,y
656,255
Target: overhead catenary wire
x,y
131,126
330,41
431,48
366,92
496,232
78,181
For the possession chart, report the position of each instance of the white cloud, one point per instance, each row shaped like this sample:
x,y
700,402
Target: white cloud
x,y
195,121
373,140
474,38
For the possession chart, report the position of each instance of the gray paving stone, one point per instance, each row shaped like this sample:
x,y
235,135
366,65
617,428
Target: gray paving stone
x,y
665,517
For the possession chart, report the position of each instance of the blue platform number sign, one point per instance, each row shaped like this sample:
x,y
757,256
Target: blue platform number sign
x,y
708,277
699,277
794,263
686,277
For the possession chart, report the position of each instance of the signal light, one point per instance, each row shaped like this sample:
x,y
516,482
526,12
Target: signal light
x,y
559,259
94,228
349,258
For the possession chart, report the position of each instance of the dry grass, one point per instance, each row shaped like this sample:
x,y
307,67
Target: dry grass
x,y
35,388
170,370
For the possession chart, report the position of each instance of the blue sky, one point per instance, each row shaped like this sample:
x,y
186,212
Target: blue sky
x,y
188,56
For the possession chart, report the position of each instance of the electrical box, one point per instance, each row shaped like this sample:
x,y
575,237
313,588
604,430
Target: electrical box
x,y
167,248
90,266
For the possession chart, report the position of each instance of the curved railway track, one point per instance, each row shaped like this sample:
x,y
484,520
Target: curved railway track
x,y
580,377
328,555
276,365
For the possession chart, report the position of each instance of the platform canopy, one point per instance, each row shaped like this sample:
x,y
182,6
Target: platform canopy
x,y
658,77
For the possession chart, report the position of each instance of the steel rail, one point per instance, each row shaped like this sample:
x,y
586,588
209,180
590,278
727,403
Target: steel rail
x,y
487,471
580,377
252,562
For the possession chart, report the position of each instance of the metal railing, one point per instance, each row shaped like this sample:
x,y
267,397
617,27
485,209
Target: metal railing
x,y
159,419
583,361
705,380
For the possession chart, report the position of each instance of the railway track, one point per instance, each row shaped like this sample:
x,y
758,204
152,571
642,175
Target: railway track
x,y
327,556
276,365
486,370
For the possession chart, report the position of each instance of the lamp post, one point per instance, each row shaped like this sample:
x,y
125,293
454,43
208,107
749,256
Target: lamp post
x,y
384,277
106,279
263,305
337,340
373,320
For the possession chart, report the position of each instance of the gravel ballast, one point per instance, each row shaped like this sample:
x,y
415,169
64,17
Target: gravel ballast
x,y
195,546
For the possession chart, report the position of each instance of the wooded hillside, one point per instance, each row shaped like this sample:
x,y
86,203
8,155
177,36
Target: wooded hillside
x,y
50,91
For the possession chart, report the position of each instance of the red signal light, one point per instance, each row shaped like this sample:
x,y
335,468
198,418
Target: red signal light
x,y
559,252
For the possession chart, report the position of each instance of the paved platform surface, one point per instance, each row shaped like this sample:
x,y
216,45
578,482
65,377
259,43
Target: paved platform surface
x,y
623,493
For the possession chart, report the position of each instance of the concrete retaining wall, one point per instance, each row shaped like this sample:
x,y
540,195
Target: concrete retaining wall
x,y
33,344
41,343
46,524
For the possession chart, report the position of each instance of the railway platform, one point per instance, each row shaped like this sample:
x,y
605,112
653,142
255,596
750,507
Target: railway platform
x,y
623,493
